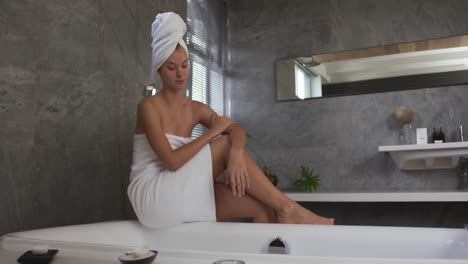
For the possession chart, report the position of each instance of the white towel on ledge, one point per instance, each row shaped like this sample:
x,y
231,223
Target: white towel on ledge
x,y
164,198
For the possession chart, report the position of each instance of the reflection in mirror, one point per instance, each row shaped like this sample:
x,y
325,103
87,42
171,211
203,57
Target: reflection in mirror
x,y
421,64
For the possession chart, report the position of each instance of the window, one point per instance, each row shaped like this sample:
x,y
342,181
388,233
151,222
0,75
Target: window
x,y
307,83
206,42
302,82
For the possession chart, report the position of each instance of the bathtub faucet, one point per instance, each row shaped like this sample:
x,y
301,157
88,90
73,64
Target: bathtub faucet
x,y
278,246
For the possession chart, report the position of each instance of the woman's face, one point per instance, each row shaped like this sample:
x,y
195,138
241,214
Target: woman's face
x,y
174,72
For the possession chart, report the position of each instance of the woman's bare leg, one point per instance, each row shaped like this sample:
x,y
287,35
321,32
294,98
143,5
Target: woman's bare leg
x,y
229,206
262,189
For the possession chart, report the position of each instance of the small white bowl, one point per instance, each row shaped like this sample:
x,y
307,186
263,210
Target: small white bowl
x,y
130,258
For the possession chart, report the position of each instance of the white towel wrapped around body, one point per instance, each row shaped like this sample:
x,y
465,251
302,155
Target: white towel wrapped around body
x,y
167,30
164,198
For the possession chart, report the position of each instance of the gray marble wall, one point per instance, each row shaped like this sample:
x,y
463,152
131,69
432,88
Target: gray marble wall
x,y
71,75
338,137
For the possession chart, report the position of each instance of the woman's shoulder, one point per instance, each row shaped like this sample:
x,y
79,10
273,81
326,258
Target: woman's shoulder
x,y
148,104
201,111
198,106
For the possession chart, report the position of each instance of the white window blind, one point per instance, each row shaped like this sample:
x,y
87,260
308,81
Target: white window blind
x,y
307,83
302,82
206,41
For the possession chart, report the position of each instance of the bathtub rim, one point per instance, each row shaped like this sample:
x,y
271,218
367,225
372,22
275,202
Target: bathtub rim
x,y
19,241
105,252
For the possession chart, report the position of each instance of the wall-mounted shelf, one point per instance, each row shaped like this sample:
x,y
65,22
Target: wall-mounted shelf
x,y
427,156
429,196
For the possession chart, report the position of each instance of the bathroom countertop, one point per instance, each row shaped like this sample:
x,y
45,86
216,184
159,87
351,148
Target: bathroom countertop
x,y
428,146
427,156
429,196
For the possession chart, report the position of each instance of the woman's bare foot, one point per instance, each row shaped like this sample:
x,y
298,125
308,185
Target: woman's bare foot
x,y
296,214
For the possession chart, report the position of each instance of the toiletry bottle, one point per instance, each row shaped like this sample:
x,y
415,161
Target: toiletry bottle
x,y
434,135
440,136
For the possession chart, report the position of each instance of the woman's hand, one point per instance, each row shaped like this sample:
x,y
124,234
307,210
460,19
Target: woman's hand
x,y
237,170
237,173
220,123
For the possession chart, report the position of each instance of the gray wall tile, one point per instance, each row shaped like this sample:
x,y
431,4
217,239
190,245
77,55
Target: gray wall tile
x,y
71,75
342,132
10,219
338,137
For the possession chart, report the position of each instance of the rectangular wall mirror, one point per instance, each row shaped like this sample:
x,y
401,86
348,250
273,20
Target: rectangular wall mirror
x,y
412,65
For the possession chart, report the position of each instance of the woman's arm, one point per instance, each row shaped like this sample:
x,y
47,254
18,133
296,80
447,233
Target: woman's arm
x,y
150,121
236,133
236,136
237,169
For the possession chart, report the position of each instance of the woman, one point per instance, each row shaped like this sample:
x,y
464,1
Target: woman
x,y
172,175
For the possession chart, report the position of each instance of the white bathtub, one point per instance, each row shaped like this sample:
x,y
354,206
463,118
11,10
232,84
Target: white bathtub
x,y
207,242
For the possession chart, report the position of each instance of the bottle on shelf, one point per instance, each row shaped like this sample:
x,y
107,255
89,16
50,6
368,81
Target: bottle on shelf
x,y
434,135
440,136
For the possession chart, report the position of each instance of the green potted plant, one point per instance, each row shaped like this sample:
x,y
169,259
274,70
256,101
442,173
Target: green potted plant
x,y
308,180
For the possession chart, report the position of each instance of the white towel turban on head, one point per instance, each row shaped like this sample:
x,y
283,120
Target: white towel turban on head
x,y
167,30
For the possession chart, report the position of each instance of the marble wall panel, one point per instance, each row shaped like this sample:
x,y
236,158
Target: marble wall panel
x,y
71,76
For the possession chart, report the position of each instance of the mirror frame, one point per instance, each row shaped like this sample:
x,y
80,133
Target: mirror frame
x,y
379,85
